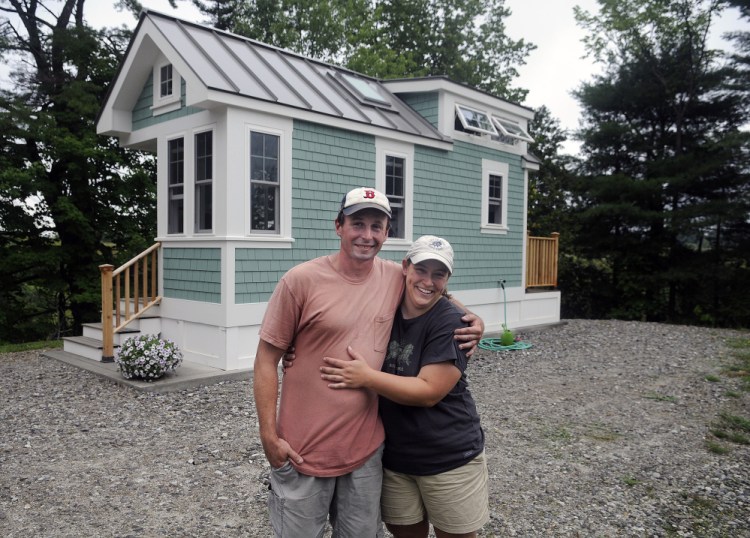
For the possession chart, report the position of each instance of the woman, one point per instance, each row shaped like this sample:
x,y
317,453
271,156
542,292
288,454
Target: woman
x,y
434,466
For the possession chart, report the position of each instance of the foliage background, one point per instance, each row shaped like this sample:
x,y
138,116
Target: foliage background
x,y
654,214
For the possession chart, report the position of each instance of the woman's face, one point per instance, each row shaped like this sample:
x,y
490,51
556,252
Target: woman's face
x,y
425,282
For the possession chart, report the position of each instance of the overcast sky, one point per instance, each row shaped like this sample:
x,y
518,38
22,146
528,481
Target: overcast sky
x,y
553,69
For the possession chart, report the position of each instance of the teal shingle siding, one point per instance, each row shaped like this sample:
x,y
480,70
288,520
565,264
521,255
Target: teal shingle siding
x,y
425,104
447,202
142,115
326,163
193,274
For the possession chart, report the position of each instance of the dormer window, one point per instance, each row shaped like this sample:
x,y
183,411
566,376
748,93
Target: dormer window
x,y
475,120
165,81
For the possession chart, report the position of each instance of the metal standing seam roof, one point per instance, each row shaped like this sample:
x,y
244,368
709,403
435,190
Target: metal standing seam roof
x,y
234,64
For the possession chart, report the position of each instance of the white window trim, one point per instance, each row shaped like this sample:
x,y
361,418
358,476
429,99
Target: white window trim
x,y
462,119
194,176
162,105
384,148
500,169
284,232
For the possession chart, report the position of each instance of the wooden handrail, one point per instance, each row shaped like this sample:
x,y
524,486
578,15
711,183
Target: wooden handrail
x,y
541,261
117,288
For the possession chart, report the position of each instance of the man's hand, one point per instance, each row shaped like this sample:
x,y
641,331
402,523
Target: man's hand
x,y
278,452
471,335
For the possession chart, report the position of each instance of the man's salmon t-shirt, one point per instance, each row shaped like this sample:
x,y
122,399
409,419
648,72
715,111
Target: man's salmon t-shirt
x,y
322,312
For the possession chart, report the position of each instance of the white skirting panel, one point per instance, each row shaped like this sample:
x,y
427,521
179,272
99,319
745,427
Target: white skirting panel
x,y
193,326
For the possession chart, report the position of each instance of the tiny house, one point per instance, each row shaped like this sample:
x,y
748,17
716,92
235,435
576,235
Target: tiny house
x,y
255,147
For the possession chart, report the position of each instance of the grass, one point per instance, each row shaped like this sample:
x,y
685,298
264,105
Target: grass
x,y
558,433
731,428
630,481
599,432
31,346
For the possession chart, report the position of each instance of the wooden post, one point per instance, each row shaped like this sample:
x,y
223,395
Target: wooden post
x,y
555,257
108,354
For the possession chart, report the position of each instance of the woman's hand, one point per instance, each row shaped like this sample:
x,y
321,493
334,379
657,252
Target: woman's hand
x,y
346,374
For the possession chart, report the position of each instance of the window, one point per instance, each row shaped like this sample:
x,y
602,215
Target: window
x,y
204,181
264,182
511,129
395,178
470,119
494,197
495,200
167,88
165,81
176,185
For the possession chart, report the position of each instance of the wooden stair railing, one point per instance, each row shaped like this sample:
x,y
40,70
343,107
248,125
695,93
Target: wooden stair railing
x,y
117,286
541,261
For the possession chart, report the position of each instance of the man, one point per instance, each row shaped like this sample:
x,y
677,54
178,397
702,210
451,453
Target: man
x,y
326,446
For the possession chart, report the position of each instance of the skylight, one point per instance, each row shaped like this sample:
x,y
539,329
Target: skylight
x,y
511,129
365,90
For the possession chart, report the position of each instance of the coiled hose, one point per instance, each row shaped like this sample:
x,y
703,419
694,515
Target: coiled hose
x,y
493,344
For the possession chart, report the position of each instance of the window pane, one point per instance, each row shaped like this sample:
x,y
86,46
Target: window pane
x,y
203,156
495,215
394,176
397,222
165,82
271,146
256,144
263,207
175,218
204,207
496,186
176,168
175,180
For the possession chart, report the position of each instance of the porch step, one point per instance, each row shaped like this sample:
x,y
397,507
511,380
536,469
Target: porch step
x,y
90,344
84,346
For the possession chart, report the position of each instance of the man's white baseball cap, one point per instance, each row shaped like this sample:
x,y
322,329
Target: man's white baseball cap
x,y
365,198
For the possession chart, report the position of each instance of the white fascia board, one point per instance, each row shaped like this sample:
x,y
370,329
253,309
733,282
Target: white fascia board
x,y
219,98
147,46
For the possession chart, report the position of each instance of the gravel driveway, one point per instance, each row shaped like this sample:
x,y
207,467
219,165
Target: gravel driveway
x,y
601,429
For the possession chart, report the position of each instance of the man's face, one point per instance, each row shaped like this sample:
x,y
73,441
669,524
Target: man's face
x,y
363,234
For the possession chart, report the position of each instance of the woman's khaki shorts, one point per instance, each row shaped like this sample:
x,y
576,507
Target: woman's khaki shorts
x,y
455,501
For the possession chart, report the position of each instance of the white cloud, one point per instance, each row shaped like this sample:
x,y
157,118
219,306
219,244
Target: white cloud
x,y
557,66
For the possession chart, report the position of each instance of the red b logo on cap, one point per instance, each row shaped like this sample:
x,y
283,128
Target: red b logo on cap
x,y
369,194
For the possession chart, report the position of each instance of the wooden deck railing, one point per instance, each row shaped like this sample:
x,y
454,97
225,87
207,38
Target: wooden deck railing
x,y
135,284
541,261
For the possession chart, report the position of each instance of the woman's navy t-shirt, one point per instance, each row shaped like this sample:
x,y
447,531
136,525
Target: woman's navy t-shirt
x,y
429,440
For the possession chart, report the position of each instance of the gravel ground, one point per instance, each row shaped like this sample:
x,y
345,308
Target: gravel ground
x,y
600,429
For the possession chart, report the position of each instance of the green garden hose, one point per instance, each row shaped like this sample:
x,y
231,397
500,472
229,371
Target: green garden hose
x,y
493,344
